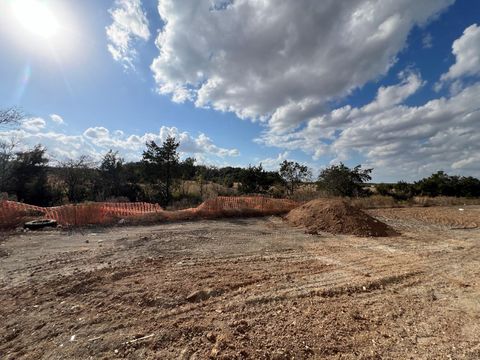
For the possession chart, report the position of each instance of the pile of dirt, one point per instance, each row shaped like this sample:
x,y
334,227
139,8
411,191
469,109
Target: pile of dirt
x,y
337,217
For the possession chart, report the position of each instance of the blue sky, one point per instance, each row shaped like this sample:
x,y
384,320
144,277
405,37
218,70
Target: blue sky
x,y
353,81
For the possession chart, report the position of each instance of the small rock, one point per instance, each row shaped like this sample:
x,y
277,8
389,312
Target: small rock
x,y
201,295
211,337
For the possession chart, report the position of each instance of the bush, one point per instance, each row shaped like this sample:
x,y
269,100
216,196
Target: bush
x,y
340,180
441,184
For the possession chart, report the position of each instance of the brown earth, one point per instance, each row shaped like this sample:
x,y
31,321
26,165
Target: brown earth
x,y
336,216
244,289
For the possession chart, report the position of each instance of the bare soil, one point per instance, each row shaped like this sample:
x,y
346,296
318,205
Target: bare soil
x,y
245,289
336,216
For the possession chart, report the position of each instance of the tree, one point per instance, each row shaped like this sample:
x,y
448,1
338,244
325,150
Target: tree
x,y
111,174
162,162
77,176
187,168
29,176
200,178
11,116
7,156
441,183
293,174
251,180
340,180
255,180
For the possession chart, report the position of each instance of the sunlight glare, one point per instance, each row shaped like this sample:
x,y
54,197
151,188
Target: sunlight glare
x,y
36,17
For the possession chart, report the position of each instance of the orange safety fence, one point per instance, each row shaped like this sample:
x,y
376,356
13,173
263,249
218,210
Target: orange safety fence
x,y
13,213
260,203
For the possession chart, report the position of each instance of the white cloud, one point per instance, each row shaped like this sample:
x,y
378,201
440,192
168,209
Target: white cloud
x,y
95,141
33,124
427,41
57,119
274,163
398,141
129,25
279,62
96,133
467,54
396,94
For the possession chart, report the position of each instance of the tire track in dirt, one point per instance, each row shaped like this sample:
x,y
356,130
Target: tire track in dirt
x,y
263,293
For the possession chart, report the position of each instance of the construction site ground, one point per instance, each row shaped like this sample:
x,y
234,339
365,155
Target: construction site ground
x,y
251,288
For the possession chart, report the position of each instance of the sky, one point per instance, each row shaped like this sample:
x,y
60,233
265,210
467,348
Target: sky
x,y
389,84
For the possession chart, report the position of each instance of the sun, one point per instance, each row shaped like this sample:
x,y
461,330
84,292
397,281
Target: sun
x,y
36,17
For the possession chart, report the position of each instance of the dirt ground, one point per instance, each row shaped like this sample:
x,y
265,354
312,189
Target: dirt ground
x,y
245,289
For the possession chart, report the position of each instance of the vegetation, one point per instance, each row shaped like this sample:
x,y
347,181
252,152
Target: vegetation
x,y
161,164
161,176
340,180
438,184
293,174
11,116
29,176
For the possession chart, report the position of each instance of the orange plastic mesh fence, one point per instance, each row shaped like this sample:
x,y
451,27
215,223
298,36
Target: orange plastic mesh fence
x,y
247,203
14,213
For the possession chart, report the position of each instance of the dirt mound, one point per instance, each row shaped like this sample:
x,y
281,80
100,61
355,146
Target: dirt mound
x,y
337,217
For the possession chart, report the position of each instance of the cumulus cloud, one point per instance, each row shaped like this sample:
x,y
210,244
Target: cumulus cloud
x,y
273,163
467,54
96,133
279,62
33,124
57,119
399,141
95,141
129,25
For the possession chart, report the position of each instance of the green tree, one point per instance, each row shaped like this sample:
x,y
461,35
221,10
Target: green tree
x,y
436,184
111,175
29,176
403,190
162,163
293,174
251,180
187,168
340,180
443,184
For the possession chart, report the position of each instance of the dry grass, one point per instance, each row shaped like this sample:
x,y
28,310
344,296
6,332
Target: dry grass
x,y
376,202
380,201
444,201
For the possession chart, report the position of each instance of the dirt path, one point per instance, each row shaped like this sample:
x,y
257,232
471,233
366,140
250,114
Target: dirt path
x,y
244,289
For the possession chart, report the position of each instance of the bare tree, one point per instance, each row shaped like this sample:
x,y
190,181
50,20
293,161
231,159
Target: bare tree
x,y
11,116
76,173
7,155
8,116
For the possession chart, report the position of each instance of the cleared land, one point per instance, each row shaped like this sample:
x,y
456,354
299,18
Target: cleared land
x,y
245,288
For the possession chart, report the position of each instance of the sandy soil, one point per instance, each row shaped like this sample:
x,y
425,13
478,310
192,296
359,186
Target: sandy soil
x,y
245,289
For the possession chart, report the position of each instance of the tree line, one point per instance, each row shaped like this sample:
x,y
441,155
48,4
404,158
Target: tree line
x,y
160,176
157,177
